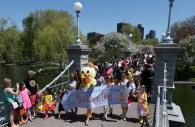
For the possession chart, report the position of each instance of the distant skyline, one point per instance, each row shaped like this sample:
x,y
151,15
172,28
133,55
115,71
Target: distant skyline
x,y
103,15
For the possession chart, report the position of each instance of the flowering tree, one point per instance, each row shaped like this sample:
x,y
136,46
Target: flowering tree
x,y
111,47
186,57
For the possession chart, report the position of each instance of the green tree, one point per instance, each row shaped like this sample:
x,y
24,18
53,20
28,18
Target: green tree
x,y
9,44
28,36
111,47
49,32
129,29
152,42
186,58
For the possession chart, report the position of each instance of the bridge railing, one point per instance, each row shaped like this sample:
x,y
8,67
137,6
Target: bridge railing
x,y
161,103
54,84
3,118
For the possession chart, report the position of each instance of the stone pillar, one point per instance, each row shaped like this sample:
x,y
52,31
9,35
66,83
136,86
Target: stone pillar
x,y
165,53
127,52
78,53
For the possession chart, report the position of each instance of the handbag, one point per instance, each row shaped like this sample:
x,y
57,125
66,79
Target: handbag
x,y
19,100
15,105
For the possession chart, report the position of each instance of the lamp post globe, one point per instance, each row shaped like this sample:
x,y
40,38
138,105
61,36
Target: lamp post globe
x,y
78,7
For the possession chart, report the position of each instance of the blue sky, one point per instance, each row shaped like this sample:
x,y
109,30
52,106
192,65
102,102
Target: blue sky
x,y
103,15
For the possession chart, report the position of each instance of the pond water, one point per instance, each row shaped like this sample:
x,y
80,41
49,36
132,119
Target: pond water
x,y
184,96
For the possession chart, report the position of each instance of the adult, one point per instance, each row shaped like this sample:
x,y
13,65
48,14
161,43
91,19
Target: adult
x,y
10,94
147,77
33,87
122,71
72,86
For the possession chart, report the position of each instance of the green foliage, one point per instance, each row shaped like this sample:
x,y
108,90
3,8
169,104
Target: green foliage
x,y
129,29
186,57
9,44
111,47
142,49
52,41
136,35
152,42
45,37
47,33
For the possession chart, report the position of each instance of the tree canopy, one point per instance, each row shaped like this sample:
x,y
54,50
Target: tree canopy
x,y
45,36
129,29
186,57
111,47
183,29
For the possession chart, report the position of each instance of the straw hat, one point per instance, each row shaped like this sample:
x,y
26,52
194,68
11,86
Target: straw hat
x,y
31,73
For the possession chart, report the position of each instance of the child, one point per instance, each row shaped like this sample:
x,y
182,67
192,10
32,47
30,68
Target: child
x,y
142,105
48,102
131,88
123,81
60,95
109,82
24,94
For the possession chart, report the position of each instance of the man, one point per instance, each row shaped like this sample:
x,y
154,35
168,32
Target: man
x,y
33,87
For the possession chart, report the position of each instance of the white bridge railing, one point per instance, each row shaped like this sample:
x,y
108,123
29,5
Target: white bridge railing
x,y
161,104
54,84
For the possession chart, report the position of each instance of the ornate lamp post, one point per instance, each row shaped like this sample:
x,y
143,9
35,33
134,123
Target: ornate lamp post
x,y
166,54
130,36
78,52
168,39
78,7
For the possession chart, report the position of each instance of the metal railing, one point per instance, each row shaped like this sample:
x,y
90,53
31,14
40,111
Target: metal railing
x,y
56,78
3,118
161,104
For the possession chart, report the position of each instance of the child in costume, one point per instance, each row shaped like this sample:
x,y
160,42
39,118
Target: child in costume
x,y
24,94
88,80
142,105
48,105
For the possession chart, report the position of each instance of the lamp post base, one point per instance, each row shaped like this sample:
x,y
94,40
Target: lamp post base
x,y
79,53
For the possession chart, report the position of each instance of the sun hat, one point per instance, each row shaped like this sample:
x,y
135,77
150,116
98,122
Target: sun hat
x,y
31,73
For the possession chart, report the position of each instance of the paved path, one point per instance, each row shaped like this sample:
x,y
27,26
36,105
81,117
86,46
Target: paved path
x,y
97,121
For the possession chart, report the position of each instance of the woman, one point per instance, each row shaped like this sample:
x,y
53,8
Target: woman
x,y
10,94
33,87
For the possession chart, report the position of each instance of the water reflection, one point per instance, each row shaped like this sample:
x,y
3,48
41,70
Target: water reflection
x,y
184,96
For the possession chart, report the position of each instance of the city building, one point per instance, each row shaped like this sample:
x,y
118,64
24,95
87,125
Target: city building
x,y
151,34
120,26
94,37
141,28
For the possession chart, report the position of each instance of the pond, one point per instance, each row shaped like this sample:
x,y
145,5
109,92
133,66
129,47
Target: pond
x,y
184,96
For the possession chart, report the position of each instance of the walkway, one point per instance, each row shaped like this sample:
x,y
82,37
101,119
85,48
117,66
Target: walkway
x,y
97,121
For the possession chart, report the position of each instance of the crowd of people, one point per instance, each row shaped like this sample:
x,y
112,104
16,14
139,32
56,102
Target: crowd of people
x,y
22,99
135,72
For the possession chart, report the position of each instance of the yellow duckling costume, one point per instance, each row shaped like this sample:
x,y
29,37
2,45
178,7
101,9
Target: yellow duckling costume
x,y
88,80
88,74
